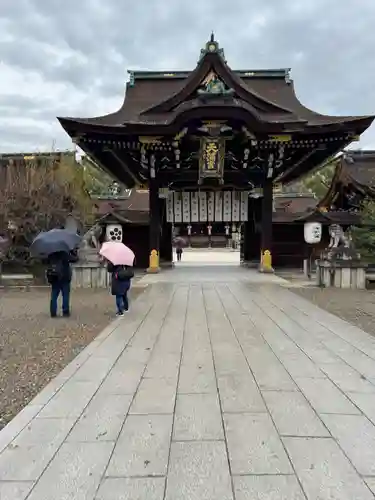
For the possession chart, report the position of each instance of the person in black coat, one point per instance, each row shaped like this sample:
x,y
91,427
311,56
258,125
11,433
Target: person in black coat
x,y
179,253
59,276
121,282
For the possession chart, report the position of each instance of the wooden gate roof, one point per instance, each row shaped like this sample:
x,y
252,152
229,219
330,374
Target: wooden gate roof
x,y
162,103
152,98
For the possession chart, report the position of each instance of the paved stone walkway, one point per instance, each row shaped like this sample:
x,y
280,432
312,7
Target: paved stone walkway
x,y
218,385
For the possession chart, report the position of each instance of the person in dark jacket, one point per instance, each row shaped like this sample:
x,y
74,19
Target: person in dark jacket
x,y
121,281
179,253
59,276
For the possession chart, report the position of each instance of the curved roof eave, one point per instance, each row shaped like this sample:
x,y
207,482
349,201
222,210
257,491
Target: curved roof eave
x,y
355,125
316,118
358,123
348,173
316,158
284,102
345,173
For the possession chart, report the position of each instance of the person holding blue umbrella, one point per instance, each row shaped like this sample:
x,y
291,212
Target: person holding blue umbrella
x,y
57,248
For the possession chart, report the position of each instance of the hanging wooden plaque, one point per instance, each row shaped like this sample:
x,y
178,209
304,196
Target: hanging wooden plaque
x,y
211,160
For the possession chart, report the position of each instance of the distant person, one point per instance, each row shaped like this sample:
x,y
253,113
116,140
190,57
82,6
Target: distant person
x,y
59,276
179,253
121,282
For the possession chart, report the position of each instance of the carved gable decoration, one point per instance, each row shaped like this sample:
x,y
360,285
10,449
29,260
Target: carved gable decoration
x,y
212,86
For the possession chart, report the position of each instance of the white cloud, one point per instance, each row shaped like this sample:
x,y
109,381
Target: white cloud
x,y
70,58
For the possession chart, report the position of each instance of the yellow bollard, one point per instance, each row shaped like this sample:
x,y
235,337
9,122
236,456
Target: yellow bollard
x,y
154,262
266,262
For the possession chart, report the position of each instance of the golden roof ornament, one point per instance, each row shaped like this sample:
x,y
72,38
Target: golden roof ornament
x,y
212,47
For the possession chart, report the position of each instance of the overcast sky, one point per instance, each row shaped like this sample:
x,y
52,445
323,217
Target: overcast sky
x,y
70,57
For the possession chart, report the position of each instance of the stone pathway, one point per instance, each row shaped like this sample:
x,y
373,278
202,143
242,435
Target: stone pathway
x,y
218,385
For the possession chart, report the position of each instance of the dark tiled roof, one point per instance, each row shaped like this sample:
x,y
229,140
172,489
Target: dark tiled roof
x,y
147,93
23,159
327,218
156,98
358,167
136,202
125,217
356,170
158,103
289,208
295,203
36,155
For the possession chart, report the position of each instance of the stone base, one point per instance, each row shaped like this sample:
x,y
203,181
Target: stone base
x,y
266,270
342,274
306,270
252,264
153,270
17,280
90,275
166,264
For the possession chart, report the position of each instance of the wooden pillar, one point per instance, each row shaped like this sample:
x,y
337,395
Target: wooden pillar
x,y
166,251
245,243
246,236
154,262
266,235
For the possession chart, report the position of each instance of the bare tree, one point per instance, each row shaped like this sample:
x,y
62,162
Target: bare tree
x,y
37,196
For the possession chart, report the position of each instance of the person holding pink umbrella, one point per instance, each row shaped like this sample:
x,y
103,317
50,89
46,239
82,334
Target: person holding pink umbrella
x,y
120,260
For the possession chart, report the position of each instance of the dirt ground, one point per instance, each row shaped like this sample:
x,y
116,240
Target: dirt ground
x,y
355,306
34,348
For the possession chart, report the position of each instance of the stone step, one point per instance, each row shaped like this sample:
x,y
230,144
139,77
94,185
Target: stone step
x,y
17,280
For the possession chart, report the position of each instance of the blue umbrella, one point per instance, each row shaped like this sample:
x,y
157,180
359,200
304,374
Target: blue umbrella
x,y
56,240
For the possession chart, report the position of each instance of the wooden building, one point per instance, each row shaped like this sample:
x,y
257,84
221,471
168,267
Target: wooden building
x,y
353,180
131,211
208,131
291,211
15,167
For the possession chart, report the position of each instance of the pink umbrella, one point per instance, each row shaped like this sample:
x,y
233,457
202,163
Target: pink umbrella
x,y
117,253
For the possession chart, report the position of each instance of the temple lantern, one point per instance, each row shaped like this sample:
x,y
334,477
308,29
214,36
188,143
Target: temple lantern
x,y
113,232
313,232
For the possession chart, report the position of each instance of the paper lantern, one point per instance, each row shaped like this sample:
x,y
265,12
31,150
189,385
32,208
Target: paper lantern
x,y
313,232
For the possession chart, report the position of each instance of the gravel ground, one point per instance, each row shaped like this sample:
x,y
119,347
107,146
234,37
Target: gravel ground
x,y
355,306
34,348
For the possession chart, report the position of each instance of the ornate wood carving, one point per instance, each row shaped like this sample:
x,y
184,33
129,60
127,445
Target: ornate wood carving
x,y
213,86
